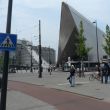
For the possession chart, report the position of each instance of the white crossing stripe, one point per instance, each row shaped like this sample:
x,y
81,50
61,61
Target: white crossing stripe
x,y
63,84
75,83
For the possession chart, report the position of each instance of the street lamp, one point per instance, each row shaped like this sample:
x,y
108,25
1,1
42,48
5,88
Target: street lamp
x,y
31,60
97,43
40,60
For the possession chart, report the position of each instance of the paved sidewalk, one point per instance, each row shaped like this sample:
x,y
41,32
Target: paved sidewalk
x,y
19,101
57,80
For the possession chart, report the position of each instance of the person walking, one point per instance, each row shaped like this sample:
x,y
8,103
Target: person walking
x,y
109,72
71,78
105,69
50,70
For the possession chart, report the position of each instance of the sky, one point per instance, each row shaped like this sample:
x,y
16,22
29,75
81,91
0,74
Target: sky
x,y
27,13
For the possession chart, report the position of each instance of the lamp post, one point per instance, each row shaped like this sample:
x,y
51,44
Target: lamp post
x,y
97,44
31,60
40,60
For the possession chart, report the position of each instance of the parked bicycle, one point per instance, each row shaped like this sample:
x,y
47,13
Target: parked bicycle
x,y
94,76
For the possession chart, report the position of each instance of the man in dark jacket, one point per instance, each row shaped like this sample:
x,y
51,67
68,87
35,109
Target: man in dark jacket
x,y
105,71
72,76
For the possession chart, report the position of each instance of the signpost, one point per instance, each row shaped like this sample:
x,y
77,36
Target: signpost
x,y
7,42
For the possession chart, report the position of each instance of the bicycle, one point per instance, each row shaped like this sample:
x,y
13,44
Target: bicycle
x,y
94,76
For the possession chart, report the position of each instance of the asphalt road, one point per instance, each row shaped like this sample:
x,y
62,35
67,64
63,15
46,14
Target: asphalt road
x,y
62,100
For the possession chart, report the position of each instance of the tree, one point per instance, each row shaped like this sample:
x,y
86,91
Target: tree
x,y
106,46
82,50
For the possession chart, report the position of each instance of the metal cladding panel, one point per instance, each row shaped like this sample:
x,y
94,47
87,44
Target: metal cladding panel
x,y
70,24
89,34
66,29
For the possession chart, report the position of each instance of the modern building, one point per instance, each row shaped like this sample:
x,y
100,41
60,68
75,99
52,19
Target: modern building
x,y
26,55
23,53
48,54
69,29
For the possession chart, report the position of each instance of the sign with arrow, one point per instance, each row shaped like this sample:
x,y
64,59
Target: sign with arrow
x,y
8,42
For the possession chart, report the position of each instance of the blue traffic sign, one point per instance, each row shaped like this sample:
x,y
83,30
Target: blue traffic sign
x,y
8,42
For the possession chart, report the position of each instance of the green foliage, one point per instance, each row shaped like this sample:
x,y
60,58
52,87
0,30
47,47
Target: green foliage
x,y
106,46
82,50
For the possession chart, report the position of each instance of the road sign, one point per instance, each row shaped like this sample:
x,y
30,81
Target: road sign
x,y
8,42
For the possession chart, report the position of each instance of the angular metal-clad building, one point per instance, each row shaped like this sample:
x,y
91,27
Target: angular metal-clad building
x,y
69,28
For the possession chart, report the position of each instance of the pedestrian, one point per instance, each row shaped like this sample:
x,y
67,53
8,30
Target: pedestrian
x,y
50,69
104,75
71,77
109,72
